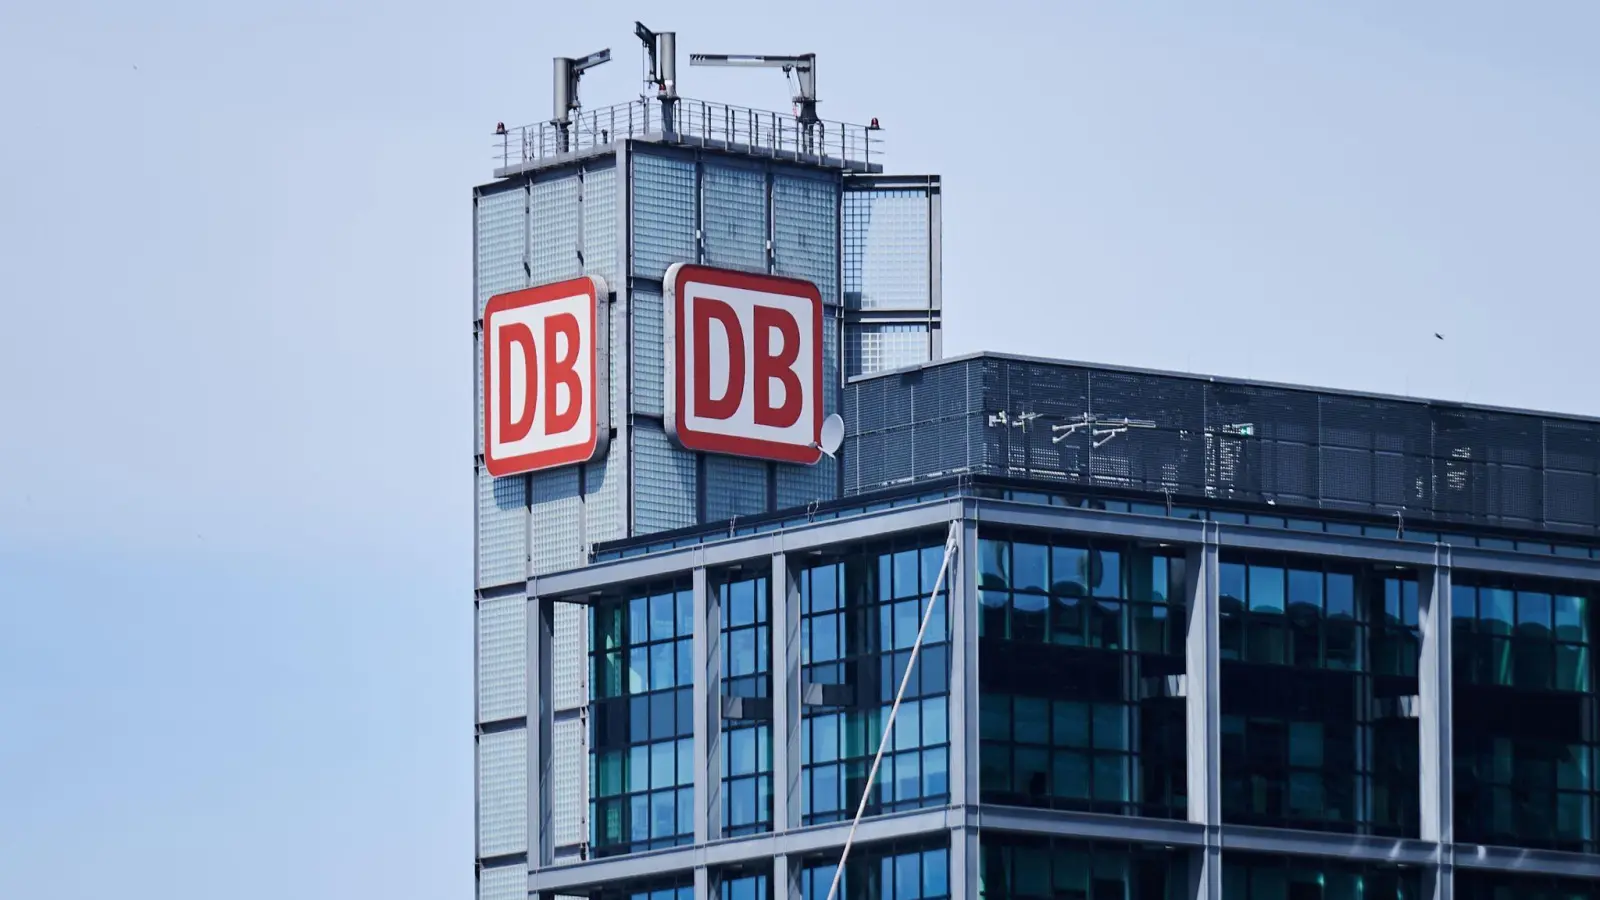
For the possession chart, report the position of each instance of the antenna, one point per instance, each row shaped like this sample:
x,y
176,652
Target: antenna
x,y
803,66
661,69
567,73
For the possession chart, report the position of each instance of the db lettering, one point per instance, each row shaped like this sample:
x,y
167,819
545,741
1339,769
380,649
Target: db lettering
x,y
744,363
544,366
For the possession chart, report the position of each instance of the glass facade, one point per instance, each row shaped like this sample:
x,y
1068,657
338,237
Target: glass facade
x,y
1472,885
1248,876
642,709
1315,657
1524,729
860,612
1072,631
746,676
893,871
745,886
1029,867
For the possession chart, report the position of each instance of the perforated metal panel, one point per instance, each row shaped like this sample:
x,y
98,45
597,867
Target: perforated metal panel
x,y
503,882
477,391
882,348
502,243
805,237
502,529
663,213
1218,439
569,760
664,482
887,243
569,651
553,234
735,487
503,792
735,216
649,363
502,658
600,224
603,484
557,520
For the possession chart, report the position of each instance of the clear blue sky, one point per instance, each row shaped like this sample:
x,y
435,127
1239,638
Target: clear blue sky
x,y
235,516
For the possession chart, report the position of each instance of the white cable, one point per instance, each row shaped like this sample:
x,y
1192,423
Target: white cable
x,y
888,727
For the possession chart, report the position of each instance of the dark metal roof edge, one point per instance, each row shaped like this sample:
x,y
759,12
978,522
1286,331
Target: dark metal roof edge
x,y
1229,380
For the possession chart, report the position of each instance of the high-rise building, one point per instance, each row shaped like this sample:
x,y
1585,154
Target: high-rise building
x,y
1196,637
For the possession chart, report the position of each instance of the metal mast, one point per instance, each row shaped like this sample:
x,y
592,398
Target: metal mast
x,y
804,68
567,73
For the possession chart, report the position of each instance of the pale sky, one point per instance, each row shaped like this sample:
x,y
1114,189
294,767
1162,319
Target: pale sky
x,y
235,363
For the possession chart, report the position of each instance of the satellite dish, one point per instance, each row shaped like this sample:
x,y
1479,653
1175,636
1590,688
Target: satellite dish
x,y
832,435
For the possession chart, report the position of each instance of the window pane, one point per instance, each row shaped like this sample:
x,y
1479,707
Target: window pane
x,y
685,605
1111,777
1305,589
1106,567
663,619
905,574
1230,583
663,764
935,729
1266,589
1069,571
994,569
638,670
1071,723
1030,563
1110,727
1032,720
1341,596
1572,621
661,665
1533,613
638,620
1495,610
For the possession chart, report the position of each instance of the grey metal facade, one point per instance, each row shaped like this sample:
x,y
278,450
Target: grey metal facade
x,y
626,211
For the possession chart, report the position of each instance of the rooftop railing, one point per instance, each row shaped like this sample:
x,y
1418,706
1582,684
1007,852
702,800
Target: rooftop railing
x,y
696,123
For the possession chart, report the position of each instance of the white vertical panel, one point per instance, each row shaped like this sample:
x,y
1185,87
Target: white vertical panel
x,y
502,529
502,658
502,243
503,792
557,520
503,883
570,759
553,232
570,652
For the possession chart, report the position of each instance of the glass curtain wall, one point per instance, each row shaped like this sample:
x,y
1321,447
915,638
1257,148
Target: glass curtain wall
x,y
1076,640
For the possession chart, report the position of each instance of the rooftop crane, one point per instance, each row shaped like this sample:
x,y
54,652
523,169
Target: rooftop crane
x,y
803,66
567,73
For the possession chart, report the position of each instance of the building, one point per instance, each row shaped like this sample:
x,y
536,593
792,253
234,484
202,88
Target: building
x,y
1200,636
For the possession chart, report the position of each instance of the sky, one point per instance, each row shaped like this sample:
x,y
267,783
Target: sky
x,y
235,362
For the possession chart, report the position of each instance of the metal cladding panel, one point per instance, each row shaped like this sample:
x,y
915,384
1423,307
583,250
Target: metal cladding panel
x,y
648,356
477,390
888,249
569,656
502,658
502,529
805,231
881,348
735,487
503,882
1206,438
735,215
503,792
603,484
663,213
569,759
557,521
502,243
553,235
600,224
663,481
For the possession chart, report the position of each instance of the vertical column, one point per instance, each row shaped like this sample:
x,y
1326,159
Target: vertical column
x,y
965,863
786,742
541,630
785,880
961,598
1433,723
704,718
711,801
702,883
1202,669
781,686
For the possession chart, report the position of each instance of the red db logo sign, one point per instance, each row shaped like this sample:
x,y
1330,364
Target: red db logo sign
x,y
744,363
546,394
